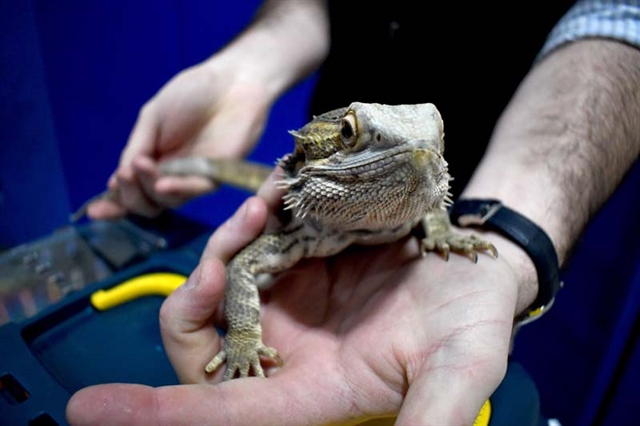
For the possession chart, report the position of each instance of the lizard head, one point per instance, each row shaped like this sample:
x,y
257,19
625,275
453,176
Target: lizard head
x,y
368,166
376,127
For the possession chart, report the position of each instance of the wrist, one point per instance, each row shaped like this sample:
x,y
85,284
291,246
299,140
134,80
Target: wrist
x,y
521,265
242,68
493,215
276,55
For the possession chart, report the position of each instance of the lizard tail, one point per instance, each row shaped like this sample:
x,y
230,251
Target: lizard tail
x,y
237,173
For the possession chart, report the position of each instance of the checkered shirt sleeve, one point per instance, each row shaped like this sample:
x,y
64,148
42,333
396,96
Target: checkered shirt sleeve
x,y
617,20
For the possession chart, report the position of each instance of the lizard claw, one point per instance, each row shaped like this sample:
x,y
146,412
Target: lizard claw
x,y
242,354
432,244
493,250
270,353
216,362
444,251
468,246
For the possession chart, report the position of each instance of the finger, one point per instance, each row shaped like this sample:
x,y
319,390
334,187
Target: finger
x,y
249,401
142,138
169,191
269,190
239,230
131,195
183,187
188,334
272,195
105,210
452,395
106,205
147,173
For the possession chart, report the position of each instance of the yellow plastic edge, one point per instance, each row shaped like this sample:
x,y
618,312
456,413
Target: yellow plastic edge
x,y
155,284
484,416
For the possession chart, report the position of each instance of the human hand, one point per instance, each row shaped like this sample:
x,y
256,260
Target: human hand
x,y
372,332
210,110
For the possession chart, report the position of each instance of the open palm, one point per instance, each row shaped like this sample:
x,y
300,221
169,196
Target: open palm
x,y
374,331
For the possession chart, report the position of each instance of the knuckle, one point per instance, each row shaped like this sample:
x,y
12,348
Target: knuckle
x,y
146,110
166,315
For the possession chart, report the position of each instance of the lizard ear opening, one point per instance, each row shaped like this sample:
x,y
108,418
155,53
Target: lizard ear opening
x,y
348,130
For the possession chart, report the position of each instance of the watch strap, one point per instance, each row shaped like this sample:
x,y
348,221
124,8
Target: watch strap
x,y
492,215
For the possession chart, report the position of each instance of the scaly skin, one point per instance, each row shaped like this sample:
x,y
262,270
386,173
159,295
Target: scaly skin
x,y
365,174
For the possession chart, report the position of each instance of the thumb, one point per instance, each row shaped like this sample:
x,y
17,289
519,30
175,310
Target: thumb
x,y
186,316
450,396
237,231
186,321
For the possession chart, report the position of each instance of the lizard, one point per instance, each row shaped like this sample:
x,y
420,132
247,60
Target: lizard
x,y
343,160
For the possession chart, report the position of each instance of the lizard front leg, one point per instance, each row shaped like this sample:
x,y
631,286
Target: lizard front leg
x,y
243,346
441,237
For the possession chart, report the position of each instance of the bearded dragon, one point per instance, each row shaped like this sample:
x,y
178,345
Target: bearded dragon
x,y
364,174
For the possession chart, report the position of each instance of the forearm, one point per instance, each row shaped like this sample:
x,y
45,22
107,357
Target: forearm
x,y
287,40
566,140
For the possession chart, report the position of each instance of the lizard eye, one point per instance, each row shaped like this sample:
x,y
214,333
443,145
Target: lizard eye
x,y
347,131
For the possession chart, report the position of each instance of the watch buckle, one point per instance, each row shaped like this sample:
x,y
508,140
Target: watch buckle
x,y
480,217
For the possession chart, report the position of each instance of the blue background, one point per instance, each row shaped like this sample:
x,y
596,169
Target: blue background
x,y
73,76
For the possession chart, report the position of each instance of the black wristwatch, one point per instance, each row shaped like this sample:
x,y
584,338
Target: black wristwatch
x,y
493,215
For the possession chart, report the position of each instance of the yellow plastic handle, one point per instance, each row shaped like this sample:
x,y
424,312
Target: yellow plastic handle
x,y
156,284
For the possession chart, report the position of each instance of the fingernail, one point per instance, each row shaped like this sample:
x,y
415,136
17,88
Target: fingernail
x,y
193,280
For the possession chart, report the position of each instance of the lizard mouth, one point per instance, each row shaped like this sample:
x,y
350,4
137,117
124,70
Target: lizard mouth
x,y
370,163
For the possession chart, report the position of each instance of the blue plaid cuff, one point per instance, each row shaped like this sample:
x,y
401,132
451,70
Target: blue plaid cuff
x,y
617,20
